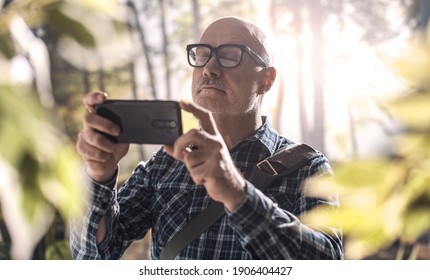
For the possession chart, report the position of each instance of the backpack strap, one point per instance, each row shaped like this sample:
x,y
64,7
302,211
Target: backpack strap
x,y
280,164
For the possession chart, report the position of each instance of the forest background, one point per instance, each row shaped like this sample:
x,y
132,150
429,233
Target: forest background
x,y
338,75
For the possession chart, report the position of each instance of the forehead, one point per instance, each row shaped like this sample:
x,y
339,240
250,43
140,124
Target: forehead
x,y
229,31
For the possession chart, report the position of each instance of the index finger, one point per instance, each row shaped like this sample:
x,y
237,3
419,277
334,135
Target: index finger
x,y
204,116
93,98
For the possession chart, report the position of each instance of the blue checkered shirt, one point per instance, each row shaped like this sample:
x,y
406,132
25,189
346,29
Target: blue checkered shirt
x,y
160,194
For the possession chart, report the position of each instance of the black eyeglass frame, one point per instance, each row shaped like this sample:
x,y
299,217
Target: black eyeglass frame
x,y
213,50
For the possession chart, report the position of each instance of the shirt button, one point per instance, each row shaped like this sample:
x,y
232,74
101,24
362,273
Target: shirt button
x,y
211,234
105,199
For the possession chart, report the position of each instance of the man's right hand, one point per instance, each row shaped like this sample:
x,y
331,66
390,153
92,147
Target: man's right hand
x,y
101,155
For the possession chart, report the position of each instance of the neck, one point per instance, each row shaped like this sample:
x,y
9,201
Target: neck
x,y
236,128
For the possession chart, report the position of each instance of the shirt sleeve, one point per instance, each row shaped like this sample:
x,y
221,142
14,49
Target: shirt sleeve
x,y
122,227
270,226
100,202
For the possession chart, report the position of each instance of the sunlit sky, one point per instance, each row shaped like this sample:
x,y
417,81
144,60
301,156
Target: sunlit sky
x,y
357,77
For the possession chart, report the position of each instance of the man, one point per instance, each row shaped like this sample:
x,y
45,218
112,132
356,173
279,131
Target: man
x,y
232,73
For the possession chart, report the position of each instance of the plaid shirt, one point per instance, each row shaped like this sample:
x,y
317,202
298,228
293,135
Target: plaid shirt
x,y
161,195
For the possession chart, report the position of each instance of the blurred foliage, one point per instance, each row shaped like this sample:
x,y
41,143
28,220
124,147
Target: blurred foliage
x,y
386,200
45,160
59,250
37,14
40,171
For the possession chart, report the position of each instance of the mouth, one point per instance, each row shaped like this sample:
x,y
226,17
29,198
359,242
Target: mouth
x,y
210,87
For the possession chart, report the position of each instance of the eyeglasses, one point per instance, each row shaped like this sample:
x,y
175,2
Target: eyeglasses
x,y
228,55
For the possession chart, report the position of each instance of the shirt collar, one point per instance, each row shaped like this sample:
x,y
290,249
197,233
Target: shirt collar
x,y
265,134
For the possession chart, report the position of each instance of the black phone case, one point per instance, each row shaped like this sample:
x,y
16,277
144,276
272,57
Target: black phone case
x,y
143,121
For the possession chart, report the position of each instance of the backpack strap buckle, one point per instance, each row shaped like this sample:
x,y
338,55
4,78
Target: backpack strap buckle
x,y
267,167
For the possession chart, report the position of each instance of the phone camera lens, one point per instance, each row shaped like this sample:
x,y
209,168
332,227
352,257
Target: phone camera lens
x,y
172,124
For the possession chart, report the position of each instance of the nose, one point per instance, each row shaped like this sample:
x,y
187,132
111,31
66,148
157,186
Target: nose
x,y
212,68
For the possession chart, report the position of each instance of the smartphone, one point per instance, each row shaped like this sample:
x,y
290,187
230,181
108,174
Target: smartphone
x,y
143,121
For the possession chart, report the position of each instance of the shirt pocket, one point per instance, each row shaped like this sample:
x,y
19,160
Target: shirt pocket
x,y
172,192
171,206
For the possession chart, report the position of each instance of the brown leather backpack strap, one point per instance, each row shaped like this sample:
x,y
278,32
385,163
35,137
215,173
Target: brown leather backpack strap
x,y
281,164
265,172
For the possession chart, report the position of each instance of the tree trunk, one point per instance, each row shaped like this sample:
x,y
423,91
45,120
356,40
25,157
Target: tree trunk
x,y
316,12
101,73
424,14
197,20
86,78
145,48
297,23
277,114
165,49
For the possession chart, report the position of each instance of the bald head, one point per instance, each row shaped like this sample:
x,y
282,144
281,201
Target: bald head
x,y
237,30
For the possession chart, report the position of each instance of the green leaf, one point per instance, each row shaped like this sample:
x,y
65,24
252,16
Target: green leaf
x,y
6,46
413,111
417,208
416,223
31,195
59,250
413,146
374,179
68,26
65,188
414,65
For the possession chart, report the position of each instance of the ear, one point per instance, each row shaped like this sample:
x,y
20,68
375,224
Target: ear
x,y
269,76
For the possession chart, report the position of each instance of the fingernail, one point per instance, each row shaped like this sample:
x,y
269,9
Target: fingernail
x,y
100,97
